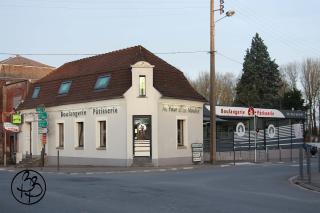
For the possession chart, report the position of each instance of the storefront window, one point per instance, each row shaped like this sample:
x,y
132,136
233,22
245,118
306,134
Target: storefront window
x,y
142,85
103,138
61,135
180,132
80,134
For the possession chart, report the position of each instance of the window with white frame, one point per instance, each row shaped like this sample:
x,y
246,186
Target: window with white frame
x,y
80,137
61,135
102,134
180,132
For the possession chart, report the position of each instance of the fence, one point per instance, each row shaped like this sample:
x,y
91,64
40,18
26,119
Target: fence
x,y
283,145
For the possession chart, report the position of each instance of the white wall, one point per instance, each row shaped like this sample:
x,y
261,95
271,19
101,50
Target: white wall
x,y
168,129
147,105
116,133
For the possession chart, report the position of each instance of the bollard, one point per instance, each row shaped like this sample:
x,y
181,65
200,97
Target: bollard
x,y
301,162
267,153
280,154
58,160
308,164
319,160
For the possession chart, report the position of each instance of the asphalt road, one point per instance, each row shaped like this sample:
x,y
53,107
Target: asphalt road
x,y
245,188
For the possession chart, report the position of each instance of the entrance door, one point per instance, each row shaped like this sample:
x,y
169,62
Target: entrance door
x,y
142,136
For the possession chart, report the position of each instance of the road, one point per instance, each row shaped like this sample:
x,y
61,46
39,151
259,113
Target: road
x,y
244,188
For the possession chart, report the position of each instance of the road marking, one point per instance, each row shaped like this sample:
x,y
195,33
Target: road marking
x,y
186,168
74,173
173,169
224,165
147,170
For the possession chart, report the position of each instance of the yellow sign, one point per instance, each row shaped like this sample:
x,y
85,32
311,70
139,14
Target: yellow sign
x,y
16,119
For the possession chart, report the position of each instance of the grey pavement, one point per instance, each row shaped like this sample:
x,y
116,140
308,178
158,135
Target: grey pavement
x,y
243,188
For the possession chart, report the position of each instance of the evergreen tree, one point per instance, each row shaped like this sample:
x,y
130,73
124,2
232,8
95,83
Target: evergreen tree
x,y
293,99
260,80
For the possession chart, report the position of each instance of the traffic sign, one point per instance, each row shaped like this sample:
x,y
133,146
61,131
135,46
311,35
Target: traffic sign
x,y
43,130
42,123
43,115
40,109
11,127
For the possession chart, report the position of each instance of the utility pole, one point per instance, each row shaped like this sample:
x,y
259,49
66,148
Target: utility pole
x,y
213,142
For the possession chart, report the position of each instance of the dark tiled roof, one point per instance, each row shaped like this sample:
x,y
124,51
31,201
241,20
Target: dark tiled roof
x,y
22,61
168,80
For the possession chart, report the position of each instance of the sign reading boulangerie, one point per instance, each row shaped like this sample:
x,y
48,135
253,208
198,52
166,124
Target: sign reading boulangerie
x,y
92,111
181,108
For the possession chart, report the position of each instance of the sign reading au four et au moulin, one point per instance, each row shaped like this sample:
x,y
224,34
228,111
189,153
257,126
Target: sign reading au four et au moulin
x,y
181,108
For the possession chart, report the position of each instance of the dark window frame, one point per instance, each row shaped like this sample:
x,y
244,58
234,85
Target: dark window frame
x,y
102,134
80,132
61,135
180,132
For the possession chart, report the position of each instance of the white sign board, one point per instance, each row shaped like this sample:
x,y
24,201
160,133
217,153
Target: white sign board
x,y
11,127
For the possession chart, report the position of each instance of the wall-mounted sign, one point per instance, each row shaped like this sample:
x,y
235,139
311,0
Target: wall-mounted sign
x,y
240,129
16,119
105,110
181,108
73,113
246,112
11,127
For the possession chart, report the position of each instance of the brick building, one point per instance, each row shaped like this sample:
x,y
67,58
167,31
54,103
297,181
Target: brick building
x,y
16,75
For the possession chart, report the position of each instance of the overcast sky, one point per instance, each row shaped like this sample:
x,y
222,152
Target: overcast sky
x,y
290,29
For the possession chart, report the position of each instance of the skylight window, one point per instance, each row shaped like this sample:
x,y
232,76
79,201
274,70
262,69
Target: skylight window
x,y
36,92
102,82
64,87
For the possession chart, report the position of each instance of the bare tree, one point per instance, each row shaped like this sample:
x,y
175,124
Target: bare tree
x,y
290,73
310,70
225,87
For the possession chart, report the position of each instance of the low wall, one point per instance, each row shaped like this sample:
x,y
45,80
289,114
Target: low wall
x,y
262,155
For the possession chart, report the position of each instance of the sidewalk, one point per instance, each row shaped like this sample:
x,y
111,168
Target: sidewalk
x,y
314,185
104,169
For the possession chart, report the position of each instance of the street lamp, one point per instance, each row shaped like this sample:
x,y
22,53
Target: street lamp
x,y
213,140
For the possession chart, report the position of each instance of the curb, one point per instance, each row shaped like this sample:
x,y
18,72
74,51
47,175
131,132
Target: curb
x,y
304,186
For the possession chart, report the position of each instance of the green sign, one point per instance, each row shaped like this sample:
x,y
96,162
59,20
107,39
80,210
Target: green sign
x,y
43,115
16,119
42,123
40,109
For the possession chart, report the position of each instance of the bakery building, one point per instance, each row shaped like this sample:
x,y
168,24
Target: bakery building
x,y
121,108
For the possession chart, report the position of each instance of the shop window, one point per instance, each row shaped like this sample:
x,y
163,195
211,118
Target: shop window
x,y
102,82
61,135
142,85
80,137
64,87
36,92
180,132
102,134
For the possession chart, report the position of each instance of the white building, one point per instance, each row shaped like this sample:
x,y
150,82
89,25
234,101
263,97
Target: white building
x,y
118,108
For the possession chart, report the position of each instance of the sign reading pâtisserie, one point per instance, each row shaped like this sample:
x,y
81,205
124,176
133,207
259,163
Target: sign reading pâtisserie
x,y
181,108
93,111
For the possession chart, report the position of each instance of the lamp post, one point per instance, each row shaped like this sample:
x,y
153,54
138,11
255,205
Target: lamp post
x,y
213,140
